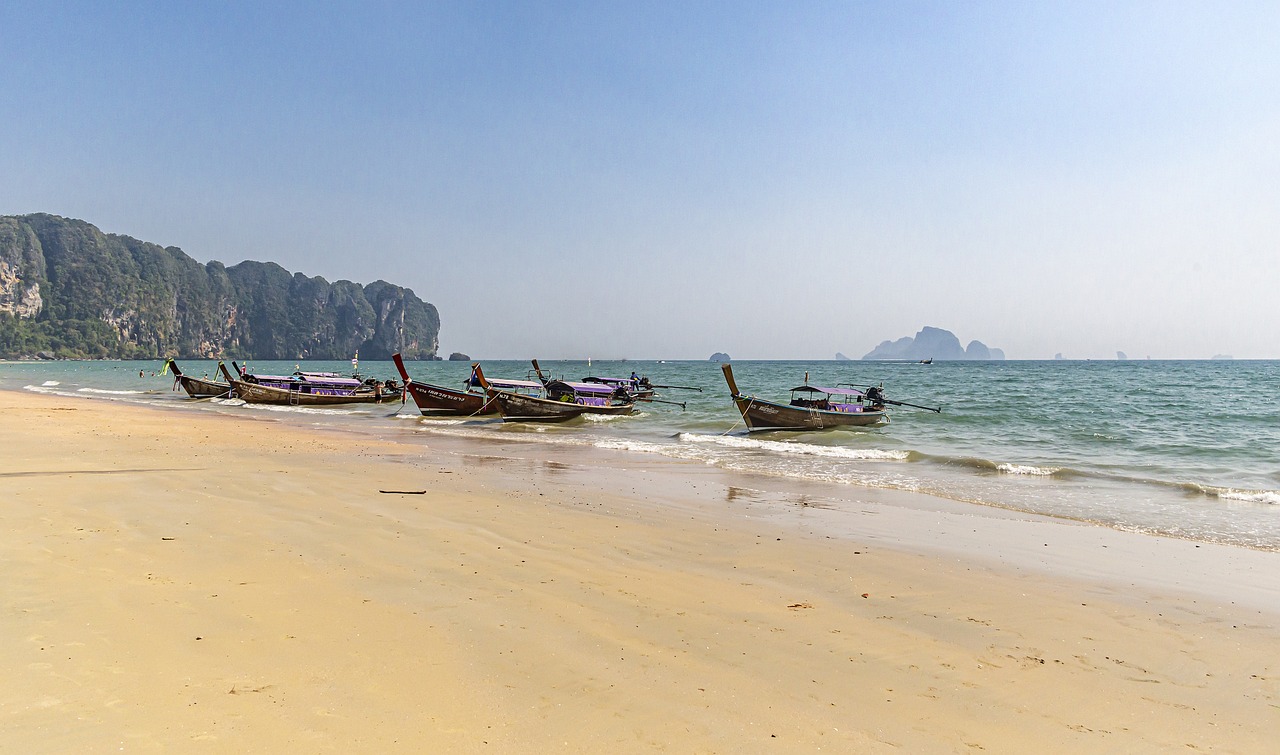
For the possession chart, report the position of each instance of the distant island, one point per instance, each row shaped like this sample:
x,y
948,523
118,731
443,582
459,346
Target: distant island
x,y
933,343
720,356
458,356
68,290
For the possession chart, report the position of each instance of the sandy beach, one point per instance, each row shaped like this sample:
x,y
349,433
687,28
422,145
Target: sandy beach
x,y
184,582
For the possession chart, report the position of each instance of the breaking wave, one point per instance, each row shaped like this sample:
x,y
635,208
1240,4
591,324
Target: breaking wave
x,y
45,389
609,417
1027,469
803,449
1271,497
296,409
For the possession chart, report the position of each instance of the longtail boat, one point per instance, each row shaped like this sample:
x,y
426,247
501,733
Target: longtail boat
x,y
439,401
560,401
812,407
639,387
311,389
197,387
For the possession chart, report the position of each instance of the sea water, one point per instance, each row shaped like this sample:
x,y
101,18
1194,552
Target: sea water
x,y
1182,448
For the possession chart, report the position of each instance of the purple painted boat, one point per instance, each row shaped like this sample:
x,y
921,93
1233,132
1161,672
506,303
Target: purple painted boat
x,y
311,389
639,387
469,401
812,407
560,401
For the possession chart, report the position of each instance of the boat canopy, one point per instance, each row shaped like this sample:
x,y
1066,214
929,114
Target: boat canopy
x,y
277,378
344,382
806,388
609,380
596,388
503,384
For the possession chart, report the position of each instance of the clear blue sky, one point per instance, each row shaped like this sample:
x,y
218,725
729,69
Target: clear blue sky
x,y
665,180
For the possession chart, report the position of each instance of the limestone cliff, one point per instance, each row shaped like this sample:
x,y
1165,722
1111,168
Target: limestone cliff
x,y
933,343
69,289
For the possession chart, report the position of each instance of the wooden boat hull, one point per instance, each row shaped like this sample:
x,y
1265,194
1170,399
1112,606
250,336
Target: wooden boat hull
x,y
518,408
766,415
197,388
253,393
438,401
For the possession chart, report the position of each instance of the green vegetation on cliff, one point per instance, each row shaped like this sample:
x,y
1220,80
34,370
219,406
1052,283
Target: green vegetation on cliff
x,y
69,290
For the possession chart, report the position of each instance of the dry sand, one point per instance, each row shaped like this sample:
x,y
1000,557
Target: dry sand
x,y
181,582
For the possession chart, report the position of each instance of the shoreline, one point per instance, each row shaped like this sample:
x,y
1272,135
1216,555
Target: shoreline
x,y
567,598
912,522
990,457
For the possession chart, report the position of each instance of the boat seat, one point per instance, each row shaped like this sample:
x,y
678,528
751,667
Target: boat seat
x,y
846,408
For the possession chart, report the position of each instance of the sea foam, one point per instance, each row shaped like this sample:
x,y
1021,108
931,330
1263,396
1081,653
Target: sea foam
x,y
1027,469
608,417
46,389
296,409
1252,496
803,449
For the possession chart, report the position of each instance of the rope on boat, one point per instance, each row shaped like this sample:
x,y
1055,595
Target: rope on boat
x,y
742,419
482,406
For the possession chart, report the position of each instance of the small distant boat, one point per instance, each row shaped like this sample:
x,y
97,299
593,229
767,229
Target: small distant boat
x,y
812,407
470,401
927,361
559,401
197,387
311,389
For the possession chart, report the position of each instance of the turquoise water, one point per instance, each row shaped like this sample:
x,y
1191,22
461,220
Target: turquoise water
x,y
1185,448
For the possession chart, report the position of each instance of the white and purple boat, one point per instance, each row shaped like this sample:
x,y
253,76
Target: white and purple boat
x,y
311,389
469,401
812,407
560,401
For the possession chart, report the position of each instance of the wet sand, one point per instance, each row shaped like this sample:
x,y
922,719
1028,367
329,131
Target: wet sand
x,y
182,582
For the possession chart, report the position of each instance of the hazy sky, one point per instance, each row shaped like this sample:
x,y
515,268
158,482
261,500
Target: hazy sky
x,y
666,180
